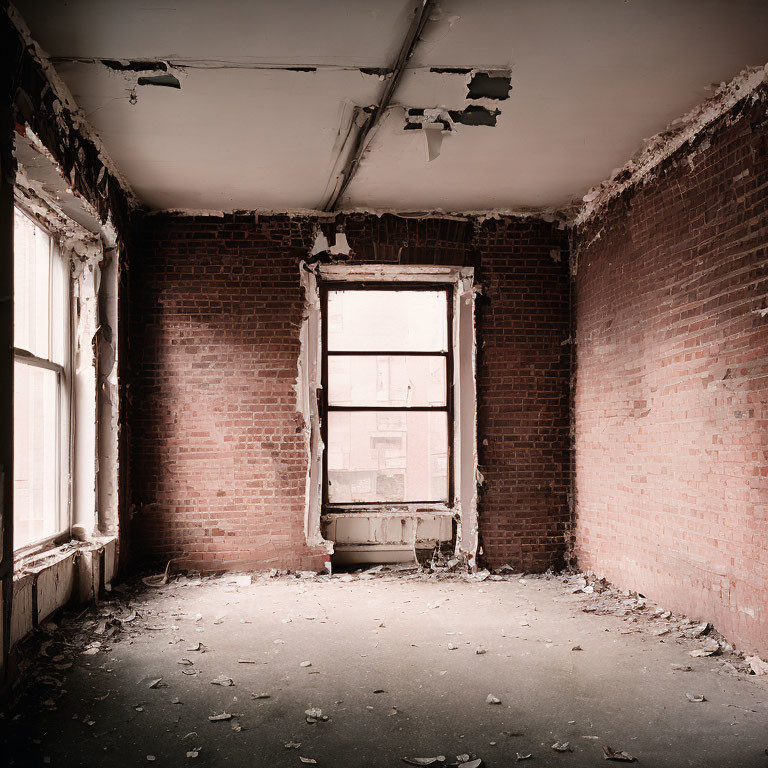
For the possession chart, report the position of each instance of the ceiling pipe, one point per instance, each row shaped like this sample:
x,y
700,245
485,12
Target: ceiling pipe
x,y
420,18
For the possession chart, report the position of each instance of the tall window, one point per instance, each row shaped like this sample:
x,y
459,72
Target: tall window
x,y
41,384
387,394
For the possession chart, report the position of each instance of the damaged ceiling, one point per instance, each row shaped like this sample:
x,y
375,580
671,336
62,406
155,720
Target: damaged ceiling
x,y
256,105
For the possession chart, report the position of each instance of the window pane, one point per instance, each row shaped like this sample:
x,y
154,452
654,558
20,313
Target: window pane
x,y
60,332
35,465
386,380
376,456
387,320
30,286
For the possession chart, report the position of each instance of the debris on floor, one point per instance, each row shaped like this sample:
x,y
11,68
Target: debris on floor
x,y
82,645
696,698
611,754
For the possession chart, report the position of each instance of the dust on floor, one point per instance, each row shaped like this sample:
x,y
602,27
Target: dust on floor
x,y
369,669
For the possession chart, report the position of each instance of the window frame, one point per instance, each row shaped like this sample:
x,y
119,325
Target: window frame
x,y
324,408
63,513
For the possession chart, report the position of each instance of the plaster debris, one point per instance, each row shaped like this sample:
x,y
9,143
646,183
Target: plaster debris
x,y
434,137
315,715
491,699
611,754
564,746
710,648
757,665
695,698
424,760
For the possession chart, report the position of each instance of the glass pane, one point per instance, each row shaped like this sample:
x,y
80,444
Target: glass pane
x,y
30,285
387,456
386,380
35,465
387,320
59,309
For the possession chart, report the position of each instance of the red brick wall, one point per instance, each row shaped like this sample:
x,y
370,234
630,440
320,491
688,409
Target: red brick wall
x,y
671,413
217,454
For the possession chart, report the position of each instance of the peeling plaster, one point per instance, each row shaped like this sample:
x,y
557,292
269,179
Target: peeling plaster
x,y
661,146
66,101
465,455
88,246
306,387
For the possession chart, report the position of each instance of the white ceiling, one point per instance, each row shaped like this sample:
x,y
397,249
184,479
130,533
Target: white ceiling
x,y
590,79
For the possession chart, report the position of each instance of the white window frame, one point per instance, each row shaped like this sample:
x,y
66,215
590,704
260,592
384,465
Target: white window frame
x,y
63,400
463,505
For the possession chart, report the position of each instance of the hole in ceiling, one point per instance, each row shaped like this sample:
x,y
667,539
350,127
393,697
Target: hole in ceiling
x,y
134,66
487,86
165,81
416,117
451,70
475,115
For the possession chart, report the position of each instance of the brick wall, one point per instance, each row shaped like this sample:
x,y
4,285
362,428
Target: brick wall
x,y
671,413
217,455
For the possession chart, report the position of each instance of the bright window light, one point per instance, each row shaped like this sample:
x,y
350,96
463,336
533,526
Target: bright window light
x,y
41,384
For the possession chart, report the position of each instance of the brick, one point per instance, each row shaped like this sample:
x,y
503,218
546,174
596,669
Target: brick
x,y
216,451
671,402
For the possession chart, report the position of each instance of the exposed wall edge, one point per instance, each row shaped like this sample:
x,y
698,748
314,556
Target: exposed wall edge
x,y
67,101
545,214
664,144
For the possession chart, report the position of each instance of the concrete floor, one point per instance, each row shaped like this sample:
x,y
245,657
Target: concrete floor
x,y
383,671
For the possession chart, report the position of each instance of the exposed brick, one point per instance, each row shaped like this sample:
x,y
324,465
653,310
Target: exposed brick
x,y
218,459
671,404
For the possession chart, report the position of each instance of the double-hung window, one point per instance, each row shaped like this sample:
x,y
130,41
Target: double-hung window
x,y
41,384
387,373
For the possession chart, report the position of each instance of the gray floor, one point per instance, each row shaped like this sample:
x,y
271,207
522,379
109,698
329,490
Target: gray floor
x,y
384,673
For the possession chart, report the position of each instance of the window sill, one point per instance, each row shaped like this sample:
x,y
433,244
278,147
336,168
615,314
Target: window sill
x,y
394,510
39,548
35,557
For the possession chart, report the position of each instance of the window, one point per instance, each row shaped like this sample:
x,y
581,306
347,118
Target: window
x,y
387,384
41,384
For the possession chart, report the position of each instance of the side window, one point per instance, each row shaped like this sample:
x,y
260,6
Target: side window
x,y
41,384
